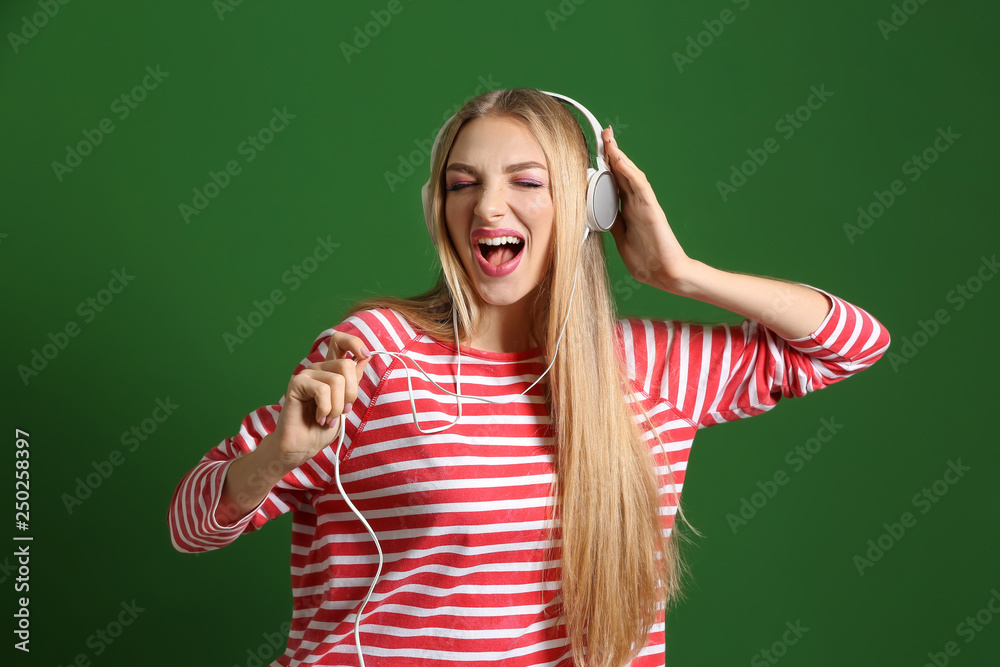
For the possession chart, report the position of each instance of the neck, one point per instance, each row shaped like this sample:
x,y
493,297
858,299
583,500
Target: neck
x,y
506,329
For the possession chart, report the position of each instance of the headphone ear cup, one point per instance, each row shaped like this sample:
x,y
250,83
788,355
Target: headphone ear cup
x,y
602,199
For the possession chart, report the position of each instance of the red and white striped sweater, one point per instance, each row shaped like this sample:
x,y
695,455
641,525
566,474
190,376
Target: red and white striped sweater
x,y
469,578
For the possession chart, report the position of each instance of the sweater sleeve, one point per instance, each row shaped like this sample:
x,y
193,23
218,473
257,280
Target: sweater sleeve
x,y
715,373
191,515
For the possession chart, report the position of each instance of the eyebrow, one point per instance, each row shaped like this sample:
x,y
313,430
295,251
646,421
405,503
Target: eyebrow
x,y
519,166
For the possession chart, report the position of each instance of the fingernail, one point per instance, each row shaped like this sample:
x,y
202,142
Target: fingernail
x,y
347,408
365,352
322,422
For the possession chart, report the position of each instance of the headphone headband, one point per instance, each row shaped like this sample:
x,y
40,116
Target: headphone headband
x,y
602,191
594,126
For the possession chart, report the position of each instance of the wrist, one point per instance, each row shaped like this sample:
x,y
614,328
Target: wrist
x,y
683,277
248,480
271,462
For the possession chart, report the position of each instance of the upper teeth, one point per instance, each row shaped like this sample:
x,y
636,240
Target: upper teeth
x,y
499,240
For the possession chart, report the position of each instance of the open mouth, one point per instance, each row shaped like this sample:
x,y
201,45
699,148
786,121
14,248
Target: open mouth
x,y
498,251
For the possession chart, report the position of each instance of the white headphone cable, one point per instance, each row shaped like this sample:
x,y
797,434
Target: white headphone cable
x,y
458,399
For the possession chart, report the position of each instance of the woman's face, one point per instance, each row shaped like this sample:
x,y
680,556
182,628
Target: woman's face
x,y
497,185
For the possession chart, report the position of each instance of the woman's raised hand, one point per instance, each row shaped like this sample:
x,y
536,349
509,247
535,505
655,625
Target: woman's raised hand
x,y
642,234
316,398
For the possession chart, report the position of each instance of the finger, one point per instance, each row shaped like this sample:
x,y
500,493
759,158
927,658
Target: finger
x,y
336,383
340,376
342,346
635,178
618,230
352,370
336,346
350,382
619,164
341,366
359,369
323,389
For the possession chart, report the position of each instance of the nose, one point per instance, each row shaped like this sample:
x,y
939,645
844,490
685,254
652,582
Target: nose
x,y
491,203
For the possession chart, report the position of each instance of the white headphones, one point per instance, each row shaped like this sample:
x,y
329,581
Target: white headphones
x,y
602,191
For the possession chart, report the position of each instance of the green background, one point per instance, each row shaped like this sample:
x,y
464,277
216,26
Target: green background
x,y
325,175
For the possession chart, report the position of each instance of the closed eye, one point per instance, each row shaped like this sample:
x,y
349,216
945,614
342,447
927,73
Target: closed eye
x,y
462,186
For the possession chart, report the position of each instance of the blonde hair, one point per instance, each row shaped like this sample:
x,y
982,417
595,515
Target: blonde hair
x,y
616,565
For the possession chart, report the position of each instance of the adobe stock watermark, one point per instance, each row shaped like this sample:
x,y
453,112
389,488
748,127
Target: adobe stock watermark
x,y
914,167
273,646
897,19
968,628
88,309
617,124
796,458
37,21
249,148
714,28
103,637
223,7
7,569
625,288
121,106
381,18
923,500
786,125
131,439
407,163
294,276
563,11
958,296
779,648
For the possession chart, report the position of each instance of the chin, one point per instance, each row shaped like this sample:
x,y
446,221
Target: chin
x,y
502,295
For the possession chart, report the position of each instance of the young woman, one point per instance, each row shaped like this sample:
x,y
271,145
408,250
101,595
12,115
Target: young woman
x,y
532,530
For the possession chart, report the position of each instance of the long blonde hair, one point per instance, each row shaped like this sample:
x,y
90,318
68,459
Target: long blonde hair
x,y
616,565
